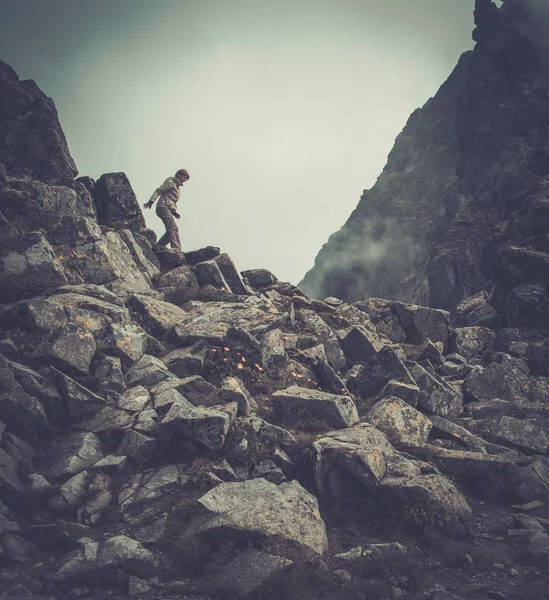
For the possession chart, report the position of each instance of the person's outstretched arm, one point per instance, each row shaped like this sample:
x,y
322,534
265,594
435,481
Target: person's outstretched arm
x,y
158,192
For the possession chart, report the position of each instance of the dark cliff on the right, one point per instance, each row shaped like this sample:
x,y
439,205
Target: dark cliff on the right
x,y
461,209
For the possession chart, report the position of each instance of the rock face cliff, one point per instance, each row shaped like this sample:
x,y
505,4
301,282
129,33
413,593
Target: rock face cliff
x,y
173,428
462,205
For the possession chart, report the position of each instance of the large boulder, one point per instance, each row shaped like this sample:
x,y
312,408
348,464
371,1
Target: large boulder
x,y
400,422
257,508
295,403
363,455
212,321
32,141
116,203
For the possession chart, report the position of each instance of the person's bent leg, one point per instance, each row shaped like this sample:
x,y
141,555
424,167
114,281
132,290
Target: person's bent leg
x,y
173,233
168,220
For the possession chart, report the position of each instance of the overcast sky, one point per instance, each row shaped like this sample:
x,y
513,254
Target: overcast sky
x,y
283,111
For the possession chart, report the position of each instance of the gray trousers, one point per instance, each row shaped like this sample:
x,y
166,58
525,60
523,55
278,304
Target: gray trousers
x,y
172,232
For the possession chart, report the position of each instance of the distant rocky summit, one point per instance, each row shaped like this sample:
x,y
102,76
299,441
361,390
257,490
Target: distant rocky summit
x,y
173,428
462,205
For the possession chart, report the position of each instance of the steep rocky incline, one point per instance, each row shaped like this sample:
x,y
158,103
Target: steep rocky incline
x,y
173,428
461,207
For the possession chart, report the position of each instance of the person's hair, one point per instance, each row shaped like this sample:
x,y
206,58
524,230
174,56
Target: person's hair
x,y
182,173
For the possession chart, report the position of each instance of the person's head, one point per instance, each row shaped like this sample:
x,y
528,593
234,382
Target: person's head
x,y
182,175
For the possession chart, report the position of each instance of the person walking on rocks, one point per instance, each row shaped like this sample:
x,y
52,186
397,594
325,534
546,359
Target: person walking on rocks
x,y
166,207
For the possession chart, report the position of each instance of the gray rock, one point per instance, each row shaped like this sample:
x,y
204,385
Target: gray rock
x,y
421,323
137,586
400,422
183,362
295,402
206,425
259,508
249,570
195,389
384,318
126,340
179,285
259,279
135,399
136,446
111,377
142,253
435,395
147,486
311,323
386,365
273,352
17,547
116,203
488,384
231,275
18,410
407,392
233,390
156,317
95,558
74,454
108,420
33,143
524,434
209,273
359,344
212,321
195,256
147,372
80,403
423,496
41,388
472,341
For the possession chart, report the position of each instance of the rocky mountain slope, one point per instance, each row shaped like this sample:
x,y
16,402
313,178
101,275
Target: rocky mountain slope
x,y
172,428
461,207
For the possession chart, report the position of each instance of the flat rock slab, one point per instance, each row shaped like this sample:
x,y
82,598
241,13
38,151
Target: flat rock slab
x,y
524,434
400,422
297,402
212,321
284,513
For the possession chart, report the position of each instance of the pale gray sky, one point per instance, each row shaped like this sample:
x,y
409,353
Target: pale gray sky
x,y
283,111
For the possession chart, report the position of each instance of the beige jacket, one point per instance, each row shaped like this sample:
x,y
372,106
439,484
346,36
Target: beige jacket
x,y
169,194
